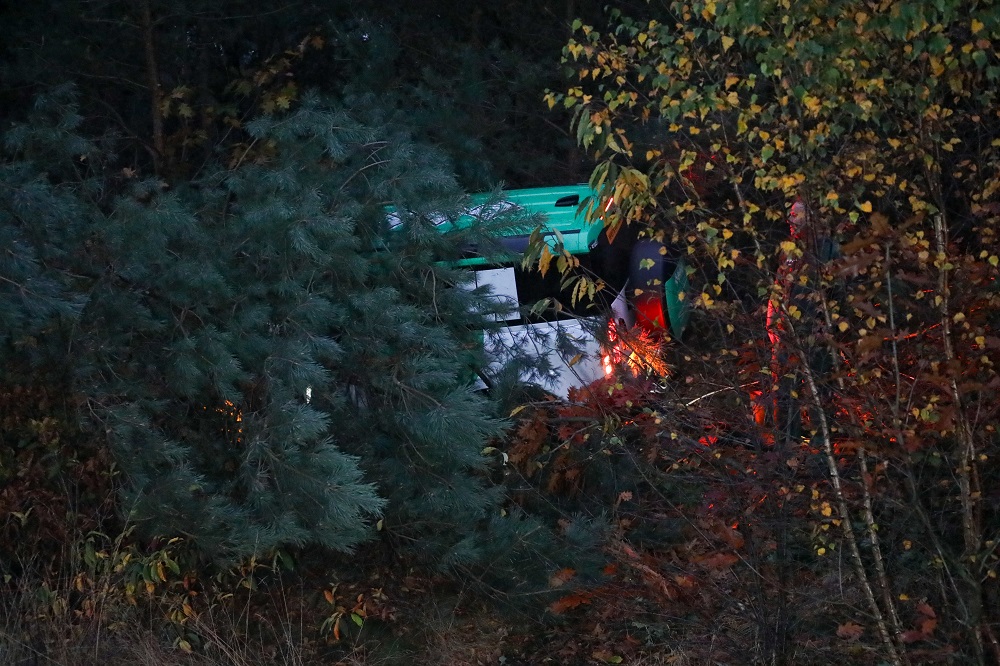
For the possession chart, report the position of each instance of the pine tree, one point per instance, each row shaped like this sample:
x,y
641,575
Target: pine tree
x,y
223,301
42,217
271,363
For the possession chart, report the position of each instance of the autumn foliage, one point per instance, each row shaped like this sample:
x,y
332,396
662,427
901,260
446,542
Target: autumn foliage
x,y
844,267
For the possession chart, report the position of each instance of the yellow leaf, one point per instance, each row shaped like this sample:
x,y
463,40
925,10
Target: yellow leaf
x,y
731,81
727,42
843,326
977,25
545,260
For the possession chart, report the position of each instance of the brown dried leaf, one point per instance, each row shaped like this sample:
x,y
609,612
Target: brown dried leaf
x,y
561,577
569,602
729,534
850,631
718,561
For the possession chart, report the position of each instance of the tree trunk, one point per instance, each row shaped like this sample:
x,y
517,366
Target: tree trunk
x,y
153,81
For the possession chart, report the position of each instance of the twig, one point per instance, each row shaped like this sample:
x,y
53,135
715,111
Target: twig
x,y
845,519
968,484
871,527
967,460
721,390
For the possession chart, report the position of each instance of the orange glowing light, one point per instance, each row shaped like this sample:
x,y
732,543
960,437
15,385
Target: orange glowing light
x,y
635,349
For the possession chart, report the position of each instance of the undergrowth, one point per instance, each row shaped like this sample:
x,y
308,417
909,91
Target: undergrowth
x,y
718,547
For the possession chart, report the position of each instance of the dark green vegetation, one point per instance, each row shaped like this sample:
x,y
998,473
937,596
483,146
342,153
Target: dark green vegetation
x,y
236,422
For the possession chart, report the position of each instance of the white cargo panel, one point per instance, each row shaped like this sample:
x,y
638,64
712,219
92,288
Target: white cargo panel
x,y
568,370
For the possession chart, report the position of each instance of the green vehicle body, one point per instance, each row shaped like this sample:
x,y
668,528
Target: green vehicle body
x,y
644,283
564,211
